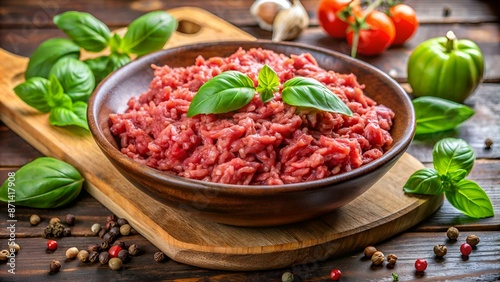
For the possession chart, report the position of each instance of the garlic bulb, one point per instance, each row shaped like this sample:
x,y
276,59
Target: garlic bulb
x,y
265,11
290,22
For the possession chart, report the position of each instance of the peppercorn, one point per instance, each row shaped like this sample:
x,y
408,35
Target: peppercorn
x,y
369,251
159,256
134,250
109,237
54,229
93,248
95,228
54,220
66,232
487,143
465,249
104,257
34,219
472,240
70,219
115,263
4,255
52,245
121,221
378,258
114,250
119,243
93,256
83,255
287,277
125,229
111,217
111,224
55,266
115,230
104,245
124,255
102,232
14,248
452,233
440,250
391,259
72,252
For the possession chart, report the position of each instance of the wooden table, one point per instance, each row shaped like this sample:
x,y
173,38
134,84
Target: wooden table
x,y
25,24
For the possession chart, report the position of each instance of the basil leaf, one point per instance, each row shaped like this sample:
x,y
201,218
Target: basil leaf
x,y
308,92
33,92
451,154
457,175
104,65
148,33
470,199
424,181
61,116
84,29
47,54
76,78
55,96
268,83
115,43
432,111
43,183
223,93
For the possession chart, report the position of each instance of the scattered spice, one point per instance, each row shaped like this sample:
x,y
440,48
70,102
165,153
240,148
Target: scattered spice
x,y
369,251
72,252
121,221
378,258
125,229
54,220
93,248
287,277
104,246
35,219
159,256
111,224
465,249
119,243
114,250
54,229
70,219
335,274
66,232
104,257
83,255
487,143
472,240
115,263
124,255
134,250
440,250
95,228
391,260
111,217
420,265
15,248
94,256
55,266
52,245
4,255
452,233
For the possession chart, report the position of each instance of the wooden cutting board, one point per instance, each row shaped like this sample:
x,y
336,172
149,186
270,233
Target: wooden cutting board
x,y
381,212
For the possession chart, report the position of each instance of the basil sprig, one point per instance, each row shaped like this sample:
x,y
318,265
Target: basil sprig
x,y
47,54
232,90
453,160
43,183
435,114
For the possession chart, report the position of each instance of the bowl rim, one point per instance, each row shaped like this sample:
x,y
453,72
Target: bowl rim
x,y
111,151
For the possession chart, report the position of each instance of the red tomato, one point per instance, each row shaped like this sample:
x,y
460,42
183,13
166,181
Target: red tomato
x,y
405,21
328,16
378,37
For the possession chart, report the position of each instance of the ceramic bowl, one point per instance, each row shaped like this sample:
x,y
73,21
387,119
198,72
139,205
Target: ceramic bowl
x,y
238,204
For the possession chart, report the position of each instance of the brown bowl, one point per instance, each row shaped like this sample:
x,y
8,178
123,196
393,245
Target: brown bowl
x,y
238,204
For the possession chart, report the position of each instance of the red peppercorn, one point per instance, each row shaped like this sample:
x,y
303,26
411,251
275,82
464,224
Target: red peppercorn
x,y
114,250
465,249
335,274
420,264
52,245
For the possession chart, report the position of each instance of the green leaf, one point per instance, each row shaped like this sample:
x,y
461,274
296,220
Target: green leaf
x,y
76,78
33,92
226,92
269,83
61,116
115,43
451,154
431,112
148,33
424,181
47,54
104,65
456,176
308,92
470,199
43,183
55,97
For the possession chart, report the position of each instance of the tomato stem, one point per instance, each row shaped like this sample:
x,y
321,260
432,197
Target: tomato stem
x,y
360,23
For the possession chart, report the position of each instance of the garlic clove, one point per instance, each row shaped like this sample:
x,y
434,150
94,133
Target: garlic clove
x,y
265,11
290,22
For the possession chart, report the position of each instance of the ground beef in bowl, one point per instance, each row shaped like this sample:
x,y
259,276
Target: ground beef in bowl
x,y
260,144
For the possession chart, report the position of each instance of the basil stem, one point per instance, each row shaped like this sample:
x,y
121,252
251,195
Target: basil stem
x,y
431,111
84,29
43,183
47,54
223,93
75,77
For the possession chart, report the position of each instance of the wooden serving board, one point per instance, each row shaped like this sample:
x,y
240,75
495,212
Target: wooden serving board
x,y
381,212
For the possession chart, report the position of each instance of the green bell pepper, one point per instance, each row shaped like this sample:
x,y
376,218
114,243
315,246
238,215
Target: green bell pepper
x,y
446,67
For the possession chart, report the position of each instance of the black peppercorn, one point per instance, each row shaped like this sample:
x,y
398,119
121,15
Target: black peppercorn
x,y
102,232
121,221
124,255
70,219
93,256
109,237
134,250
104,257
104,245
111,224
55,266
67,232
159,256
115,231
119,243
93,248
111,217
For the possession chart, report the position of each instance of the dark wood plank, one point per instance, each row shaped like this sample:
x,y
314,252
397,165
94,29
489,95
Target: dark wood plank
x,y
14,150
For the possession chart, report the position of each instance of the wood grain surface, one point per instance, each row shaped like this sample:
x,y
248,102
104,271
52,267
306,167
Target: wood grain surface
x,y
382,212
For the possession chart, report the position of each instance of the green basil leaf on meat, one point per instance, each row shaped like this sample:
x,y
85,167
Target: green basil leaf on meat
x,y
451,154
76,115
308,92
268,83
33,92
431,112
43,183
424,181
148,33
76,78
84,29
47,54
468,197
223,93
